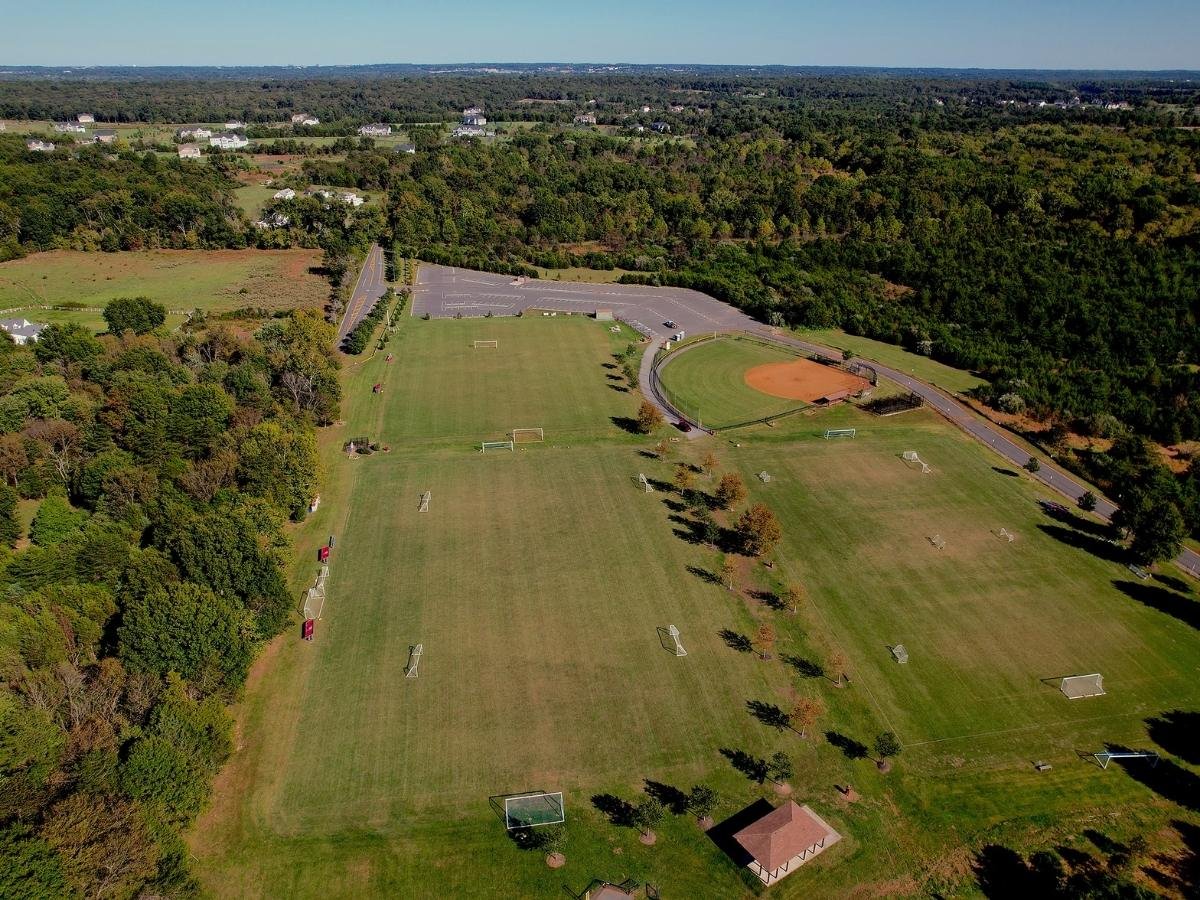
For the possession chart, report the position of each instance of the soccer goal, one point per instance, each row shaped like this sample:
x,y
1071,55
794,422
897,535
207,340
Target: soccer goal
x,y
645,483
764,477
1076,687
938,541
527,435
1104,757
674,633
913,457
900,654
532,810
1005,535
495,445
425,497
314,600
414,660
839,433
485,345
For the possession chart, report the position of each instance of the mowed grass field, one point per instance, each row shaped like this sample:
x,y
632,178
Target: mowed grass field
x,y
708,381
537,583
182,280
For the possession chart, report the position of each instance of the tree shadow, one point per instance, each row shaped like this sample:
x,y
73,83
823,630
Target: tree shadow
x,y
670,502
805,668
735,641
617,811
625,423
767,598
1001,872
1090,543
675,800
753,767
648,454
1178,872
1060,513
612,377
1175,732
1009,472
769,714
609,365
690,531
704,575
1167,778
850,748
619,388
524,838
1175,584
1177,605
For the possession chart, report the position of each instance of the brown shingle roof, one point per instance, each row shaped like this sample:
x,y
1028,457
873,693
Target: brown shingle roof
x,y
782,834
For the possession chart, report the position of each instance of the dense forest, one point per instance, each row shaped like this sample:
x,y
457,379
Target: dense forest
x,y
159,472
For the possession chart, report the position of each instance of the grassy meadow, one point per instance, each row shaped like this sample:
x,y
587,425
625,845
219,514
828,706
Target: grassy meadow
x,y
946,377
537,583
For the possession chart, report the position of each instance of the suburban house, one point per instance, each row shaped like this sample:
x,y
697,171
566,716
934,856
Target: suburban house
x,y
785,839
85,118
320,192
40,146
660,127
351,199
406,148
105,137
69,128
585,119
468,131
234,125
477,121
199,134
637,129
228,141
305,119
189,151
645,109
472,111
22,331
376,129
285,194
275,220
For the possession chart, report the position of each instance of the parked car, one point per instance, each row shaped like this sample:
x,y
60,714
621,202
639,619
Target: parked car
x,y
669,324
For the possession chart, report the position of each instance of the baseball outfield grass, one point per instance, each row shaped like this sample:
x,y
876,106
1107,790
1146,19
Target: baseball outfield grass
x,y
538,582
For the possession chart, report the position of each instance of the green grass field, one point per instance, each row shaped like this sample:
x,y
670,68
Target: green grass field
x,y
181,280
708,382
932,371
537,582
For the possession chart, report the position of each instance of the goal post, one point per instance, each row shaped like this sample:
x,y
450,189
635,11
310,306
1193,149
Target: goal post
x,y
314,599
485,345
526,435
911,456
414,659
485,446
1077,687
532,810
425,498
674,633
840,433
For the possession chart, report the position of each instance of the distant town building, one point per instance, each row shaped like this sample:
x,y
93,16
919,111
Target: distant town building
x,y
22,331
351,199
40,146
376,129
305,119
85,118
585,119
189,151
285,194
105,137
660,127
199,134
69,128
228,141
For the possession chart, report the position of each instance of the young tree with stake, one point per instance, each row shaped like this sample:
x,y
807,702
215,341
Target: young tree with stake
x,y
837,665
765,640
701,802
805,713
887,745
649,418
728,571
684,479
730,490
709,463
779,768
648,813
792,596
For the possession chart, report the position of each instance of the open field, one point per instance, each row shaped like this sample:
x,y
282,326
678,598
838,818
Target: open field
x,y
536,583
932,371
182,280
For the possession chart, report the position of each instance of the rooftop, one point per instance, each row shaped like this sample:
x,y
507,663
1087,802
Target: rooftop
x,y
783,834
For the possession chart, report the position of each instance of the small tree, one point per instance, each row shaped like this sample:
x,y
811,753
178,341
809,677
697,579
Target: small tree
x,y
709,529
662,449
1088,502
792,596
1033,466
728,571
709,463
887,745
649,418
648,813
758,530
779,768
684,479
805,713
553,840
837,664
765,640
730,490
702,801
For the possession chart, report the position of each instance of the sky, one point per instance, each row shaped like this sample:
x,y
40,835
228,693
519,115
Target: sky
x,y
1055,34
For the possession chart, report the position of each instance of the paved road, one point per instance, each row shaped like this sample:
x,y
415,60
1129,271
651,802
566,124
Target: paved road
x,y
446,292
367,289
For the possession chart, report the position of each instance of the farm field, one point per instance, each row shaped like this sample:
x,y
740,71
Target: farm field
x,y
182,280
537,582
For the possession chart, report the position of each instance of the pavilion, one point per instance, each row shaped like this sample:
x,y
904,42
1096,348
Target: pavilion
x,y
785,839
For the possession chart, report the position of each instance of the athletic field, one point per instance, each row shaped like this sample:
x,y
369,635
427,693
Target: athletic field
x,y
538,581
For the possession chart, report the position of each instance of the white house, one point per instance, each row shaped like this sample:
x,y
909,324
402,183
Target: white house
x,y
468,131
189,151
69,128
275,220
305,119
585,119
85,118
105,137
472,111
645,109
351,199
320,192
285,194
40,146
228,141
22,331
199,134
660,127
376,129
234,125
476,120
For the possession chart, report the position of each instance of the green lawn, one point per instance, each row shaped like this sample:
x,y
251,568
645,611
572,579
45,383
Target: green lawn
x,y
253,198
537,582
708,382
945,377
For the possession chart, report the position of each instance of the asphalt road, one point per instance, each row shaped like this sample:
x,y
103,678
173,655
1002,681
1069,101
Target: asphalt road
x,y
447,292
367,289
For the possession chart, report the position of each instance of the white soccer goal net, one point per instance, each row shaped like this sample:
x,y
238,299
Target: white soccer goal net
x,y
674,633
486,345
527,435
900,653
425,498
913,457
1076,687
414,660
1005,535
645,483
495,445
839,433
314,600
764,477
531,810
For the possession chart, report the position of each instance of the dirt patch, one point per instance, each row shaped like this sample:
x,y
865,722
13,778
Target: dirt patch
x,y
805,380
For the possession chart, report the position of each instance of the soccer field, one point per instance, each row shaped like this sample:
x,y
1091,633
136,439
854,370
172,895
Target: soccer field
x,y
538,582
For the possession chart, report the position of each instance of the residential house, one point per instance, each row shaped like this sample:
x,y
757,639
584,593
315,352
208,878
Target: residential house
x,y
69,128
275,220
478,121
189,151
199,134
376,129
85,118
305,119
285,194
40,146
234,125
406,148
22,331
472,111
585,119
468,131
351,199
660,127
645,109
107,136
228,141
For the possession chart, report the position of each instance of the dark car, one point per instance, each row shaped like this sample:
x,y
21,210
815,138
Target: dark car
x,y
669,324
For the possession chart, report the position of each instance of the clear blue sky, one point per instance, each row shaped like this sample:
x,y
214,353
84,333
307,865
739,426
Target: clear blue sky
x,y
1133,34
